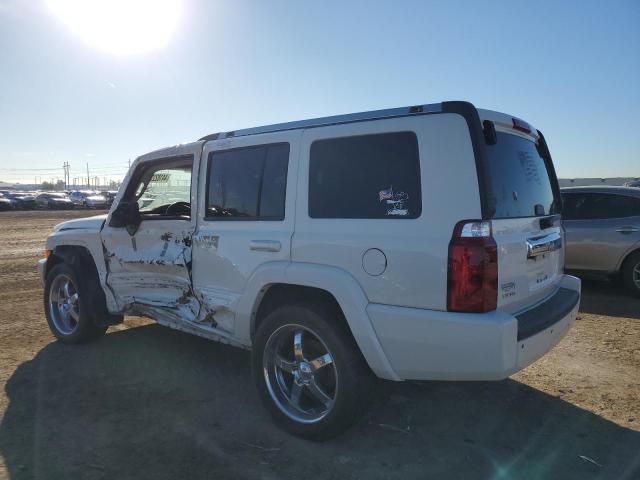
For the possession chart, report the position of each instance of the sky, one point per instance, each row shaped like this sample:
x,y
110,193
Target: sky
x,y
73,90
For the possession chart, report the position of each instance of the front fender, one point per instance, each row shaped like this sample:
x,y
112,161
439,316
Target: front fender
x,y
89,240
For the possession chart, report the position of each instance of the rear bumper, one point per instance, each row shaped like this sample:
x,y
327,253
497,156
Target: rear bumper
x,y
434,345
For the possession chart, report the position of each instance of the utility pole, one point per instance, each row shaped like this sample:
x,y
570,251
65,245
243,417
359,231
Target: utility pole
x,y
67,180
88,179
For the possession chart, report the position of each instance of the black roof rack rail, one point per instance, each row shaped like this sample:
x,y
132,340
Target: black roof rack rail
x,y
332,120
212,136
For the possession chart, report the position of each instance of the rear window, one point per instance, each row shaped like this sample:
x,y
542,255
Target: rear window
x,y
517,179
365,176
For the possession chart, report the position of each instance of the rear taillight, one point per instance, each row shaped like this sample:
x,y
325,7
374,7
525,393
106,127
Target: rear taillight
x,y
473,268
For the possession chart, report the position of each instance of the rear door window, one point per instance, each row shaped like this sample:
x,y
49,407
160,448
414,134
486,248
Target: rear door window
x,y
248,183
518,181
599,206
365,176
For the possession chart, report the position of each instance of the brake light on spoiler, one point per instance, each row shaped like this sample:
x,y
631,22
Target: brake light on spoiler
x,y
521,125
472,283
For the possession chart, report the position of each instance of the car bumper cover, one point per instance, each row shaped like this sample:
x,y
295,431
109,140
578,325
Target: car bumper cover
x,y
433,345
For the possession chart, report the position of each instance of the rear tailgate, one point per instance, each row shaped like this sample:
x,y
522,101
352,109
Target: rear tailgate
x,y
522,197
530,261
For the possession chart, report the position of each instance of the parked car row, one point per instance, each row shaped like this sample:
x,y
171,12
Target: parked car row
x,y
17,200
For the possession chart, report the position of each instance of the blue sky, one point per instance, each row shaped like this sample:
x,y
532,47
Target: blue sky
x,y
570,68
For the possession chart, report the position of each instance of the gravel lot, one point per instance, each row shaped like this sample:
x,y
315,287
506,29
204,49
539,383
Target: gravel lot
x,y
149,402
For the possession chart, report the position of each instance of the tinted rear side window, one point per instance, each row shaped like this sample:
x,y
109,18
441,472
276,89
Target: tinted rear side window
x,y
366,176
248,183
593,206
518,179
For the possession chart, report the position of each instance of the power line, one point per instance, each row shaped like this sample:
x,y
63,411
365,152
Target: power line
x,y
29,169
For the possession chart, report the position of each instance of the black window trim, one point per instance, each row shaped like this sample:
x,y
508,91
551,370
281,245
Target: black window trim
x,y
209,218
334,137
135,178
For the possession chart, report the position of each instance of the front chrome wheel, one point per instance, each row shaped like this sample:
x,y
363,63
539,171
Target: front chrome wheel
x,y
300,373
63,304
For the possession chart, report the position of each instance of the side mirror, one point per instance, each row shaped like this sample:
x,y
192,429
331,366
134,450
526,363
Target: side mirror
x,y
126,216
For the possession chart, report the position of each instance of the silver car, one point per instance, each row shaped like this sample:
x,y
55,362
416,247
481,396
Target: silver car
x,y
96,201
603,232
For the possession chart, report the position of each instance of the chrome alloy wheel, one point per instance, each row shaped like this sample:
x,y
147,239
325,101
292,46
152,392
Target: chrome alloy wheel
x,y
300,373
63,304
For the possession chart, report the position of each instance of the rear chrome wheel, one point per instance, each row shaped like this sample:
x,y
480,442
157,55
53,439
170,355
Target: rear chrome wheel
x,y
300,373
63,304
309,371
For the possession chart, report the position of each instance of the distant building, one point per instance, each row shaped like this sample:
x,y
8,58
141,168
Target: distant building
x,y
587,182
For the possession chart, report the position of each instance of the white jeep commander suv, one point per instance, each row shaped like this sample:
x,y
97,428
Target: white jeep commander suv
x,y
413,243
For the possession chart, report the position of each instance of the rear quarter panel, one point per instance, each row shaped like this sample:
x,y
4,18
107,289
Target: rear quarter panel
x,y
416,250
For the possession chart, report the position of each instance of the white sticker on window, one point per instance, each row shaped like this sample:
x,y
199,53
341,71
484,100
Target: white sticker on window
x,y
394,201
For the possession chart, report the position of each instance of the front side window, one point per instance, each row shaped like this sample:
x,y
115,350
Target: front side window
x,y
163,188
248,183
598,206
366,176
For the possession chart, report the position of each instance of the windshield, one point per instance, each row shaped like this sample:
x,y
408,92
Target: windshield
x,y
518,181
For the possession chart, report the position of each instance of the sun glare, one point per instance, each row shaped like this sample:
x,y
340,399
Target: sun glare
x,y
120,27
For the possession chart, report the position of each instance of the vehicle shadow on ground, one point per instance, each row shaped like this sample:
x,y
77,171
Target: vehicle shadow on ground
x,y
149,402
601,297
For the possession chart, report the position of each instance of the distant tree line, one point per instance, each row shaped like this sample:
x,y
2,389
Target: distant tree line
x,y
59,185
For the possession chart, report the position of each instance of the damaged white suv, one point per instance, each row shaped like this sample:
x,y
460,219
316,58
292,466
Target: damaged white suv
x,y
413,243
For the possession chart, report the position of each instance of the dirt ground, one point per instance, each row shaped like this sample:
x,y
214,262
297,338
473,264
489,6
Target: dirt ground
x,y
149,402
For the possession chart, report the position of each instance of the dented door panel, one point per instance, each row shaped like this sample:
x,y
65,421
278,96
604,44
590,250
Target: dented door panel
x,y
152,267
149,272
228,251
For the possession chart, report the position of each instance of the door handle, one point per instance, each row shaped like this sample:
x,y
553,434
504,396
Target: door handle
x,y
265,245
627,229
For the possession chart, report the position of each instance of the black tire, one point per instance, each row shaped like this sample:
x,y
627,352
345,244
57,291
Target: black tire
x,y
85,328
354,384
631,274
